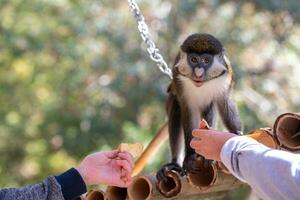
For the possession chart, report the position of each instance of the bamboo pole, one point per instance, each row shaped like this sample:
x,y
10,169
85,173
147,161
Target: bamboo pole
x,y
286,131
171,186
207,179
144,188
263,136
210,182
205,176
160,137
116,193
211,179
96,194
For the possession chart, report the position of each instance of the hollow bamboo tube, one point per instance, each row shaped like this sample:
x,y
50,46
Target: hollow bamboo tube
x,y
214,183
143,188
263,136
205,175
286,131
206,179
95,195
152,148
116,193
170,187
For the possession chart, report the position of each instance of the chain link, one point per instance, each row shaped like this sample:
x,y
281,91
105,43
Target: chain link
x,y
145,35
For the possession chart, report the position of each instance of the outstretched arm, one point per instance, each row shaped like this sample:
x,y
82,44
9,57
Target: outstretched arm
x,y
110,168
49,189
273,174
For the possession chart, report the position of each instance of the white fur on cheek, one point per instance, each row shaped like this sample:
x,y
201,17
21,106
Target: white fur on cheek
x,y
216,68
182,65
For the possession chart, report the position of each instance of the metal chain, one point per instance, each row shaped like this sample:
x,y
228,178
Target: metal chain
x,y
145,34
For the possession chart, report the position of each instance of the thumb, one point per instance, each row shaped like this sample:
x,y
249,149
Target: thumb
x,y
203,124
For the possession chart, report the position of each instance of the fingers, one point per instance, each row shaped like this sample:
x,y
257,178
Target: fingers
x,y
124,164
196,143
199,137
126,156
123,182
127,165
200,132
111,154
125,176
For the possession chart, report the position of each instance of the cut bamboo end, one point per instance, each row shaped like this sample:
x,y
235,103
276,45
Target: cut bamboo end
x,y
170,187
263,136
287,131
116,193
141,188
204,177
96,195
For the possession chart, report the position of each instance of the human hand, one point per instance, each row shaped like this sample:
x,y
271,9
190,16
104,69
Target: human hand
x,y
209,143
107,167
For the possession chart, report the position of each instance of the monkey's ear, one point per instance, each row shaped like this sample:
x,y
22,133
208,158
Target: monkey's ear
x,y
226,60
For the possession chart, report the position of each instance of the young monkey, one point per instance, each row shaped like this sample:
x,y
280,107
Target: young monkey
x,y
202,83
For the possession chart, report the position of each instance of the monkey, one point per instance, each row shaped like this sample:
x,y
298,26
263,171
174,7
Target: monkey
x,y
201,85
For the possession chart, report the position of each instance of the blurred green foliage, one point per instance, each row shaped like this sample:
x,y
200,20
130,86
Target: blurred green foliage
x,y
75,77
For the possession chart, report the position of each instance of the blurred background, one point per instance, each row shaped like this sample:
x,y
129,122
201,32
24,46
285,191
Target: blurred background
x,y
75,77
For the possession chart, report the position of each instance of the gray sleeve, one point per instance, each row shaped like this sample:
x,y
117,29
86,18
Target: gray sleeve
x,y
272,174
49,189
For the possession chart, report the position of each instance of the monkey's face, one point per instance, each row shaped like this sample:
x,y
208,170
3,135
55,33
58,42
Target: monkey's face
x,y
201,59
201,67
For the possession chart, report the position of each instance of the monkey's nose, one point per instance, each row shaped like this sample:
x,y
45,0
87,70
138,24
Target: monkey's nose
x,y
199,72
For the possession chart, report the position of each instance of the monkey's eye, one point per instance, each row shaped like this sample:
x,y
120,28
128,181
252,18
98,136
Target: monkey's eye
x,y
194,59
204,60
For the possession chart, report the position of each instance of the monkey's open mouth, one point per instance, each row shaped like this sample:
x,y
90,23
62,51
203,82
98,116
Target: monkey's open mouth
x,y
198,83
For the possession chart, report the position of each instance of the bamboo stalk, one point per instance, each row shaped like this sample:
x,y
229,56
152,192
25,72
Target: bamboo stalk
x,y
160,137
205,176
143,187
264,136
95,195
287,131
205,180
116,193
171,186
210,182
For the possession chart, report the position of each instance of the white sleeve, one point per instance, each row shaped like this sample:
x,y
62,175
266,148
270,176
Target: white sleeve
x,y
272,174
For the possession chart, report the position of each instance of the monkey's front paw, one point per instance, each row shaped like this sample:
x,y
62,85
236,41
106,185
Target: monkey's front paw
x,y
161,174
196,163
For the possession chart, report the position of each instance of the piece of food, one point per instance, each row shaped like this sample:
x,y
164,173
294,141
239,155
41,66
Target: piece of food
x,y
135,149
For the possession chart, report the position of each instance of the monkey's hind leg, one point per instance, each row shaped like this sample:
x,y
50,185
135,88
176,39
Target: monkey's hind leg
x,y
175,138
229,114
193,162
